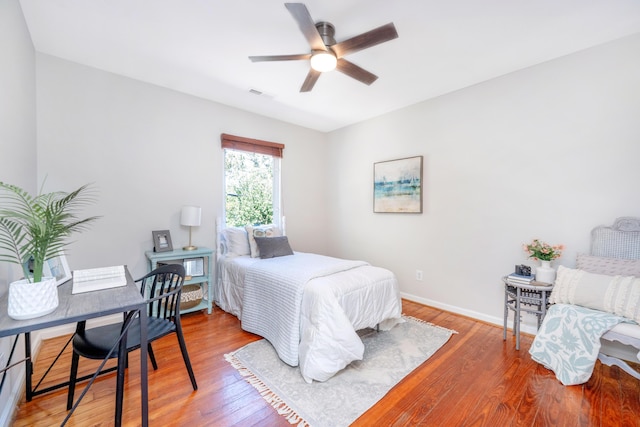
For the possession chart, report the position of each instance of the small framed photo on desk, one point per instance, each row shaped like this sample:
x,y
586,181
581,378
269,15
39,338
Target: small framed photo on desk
x,y
162,241
57,267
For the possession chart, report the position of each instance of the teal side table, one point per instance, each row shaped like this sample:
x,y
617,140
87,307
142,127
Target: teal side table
x,y
191,261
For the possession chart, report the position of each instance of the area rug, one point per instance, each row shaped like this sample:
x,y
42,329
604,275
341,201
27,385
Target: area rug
x,y
389,356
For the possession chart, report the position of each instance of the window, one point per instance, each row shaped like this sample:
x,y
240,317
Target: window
x,y
251,181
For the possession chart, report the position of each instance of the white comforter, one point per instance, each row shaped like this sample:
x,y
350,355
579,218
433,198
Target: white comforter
x,y
309,307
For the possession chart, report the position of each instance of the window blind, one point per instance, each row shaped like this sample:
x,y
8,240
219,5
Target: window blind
x,y
251,145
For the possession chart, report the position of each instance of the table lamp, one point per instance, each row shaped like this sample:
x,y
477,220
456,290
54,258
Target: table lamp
x,y
190,217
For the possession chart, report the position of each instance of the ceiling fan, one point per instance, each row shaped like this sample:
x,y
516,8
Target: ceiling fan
x,y
326,54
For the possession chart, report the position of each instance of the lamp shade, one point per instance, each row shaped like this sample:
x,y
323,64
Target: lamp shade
x,y
190,216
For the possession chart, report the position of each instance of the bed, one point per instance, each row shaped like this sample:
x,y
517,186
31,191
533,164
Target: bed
x,y
308,306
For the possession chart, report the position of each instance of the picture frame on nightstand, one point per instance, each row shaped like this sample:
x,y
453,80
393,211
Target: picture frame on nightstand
x,y
162,241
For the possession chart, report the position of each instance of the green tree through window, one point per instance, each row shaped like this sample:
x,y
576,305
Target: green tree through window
x,y
249,187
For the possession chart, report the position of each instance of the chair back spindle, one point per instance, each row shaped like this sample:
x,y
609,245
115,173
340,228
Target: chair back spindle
x,y
163,288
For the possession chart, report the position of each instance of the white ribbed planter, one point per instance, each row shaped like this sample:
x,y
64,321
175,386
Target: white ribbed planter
x,y
29,300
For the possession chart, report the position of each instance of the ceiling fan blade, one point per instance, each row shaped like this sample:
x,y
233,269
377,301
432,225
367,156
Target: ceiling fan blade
x,y
280,57
301,14
365,40
310,81
352,70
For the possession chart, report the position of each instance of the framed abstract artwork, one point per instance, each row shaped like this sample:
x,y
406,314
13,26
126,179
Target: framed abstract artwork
x,y
397,186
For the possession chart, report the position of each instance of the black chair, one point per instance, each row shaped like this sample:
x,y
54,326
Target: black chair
x,y
162,287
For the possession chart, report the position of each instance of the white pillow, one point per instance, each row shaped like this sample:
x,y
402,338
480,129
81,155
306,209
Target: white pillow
x,y
237,241
260,231
614,294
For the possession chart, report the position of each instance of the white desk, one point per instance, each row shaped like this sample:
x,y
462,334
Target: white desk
x,y
79,307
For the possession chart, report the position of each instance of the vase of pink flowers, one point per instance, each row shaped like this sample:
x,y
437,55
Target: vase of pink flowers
x,y
545,253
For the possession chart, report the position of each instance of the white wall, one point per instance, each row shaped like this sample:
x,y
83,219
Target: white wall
x,y
17,104
547,152
17,155
150,150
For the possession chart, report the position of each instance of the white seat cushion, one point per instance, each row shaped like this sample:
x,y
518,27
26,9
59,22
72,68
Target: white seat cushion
x,y
629,329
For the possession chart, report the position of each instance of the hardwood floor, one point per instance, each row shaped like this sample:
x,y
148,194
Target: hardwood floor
x,y
476,379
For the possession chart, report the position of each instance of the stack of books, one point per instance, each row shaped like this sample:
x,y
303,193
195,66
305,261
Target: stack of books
x,y
518,279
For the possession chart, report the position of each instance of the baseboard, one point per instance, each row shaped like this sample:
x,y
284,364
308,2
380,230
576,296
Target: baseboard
x,y
498,321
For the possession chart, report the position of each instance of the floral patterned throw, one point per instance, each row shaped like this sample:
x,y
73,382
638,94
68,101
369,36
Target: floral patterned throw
x,y
568,341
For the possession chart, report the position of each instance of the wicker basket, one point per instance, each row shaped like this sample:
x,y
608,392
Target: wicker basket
x,y
191,296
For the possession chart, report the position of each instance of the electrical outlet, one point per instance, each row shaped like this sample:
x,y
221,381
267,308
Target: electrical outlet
x,y
418,274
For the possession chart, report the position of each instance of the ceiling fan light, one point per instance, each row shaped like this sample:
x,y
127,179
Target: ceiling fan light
x,y
323,61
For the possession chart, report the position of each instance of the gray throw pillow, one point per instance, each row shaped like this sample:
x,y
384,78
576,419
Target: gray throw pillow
x,y
271,247
608,266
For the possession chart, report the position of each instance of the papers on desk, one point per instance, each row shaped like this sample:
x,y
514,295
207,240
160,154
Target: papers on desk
x,y
95,279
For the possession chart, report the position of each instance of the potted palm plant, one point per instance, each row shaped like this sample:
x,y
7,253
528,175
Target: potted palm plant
x,y
34,229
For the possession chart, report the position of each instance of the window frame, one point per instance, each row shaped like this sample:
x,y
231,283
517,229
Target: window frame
x,y
273,149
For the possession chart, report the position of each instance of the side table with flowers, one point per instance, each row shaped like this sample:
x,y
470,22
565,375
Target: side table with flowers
x,y
545,253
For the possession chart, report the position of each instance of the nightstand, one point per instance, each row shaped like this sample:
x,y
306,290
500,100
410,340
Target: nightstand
x,y
532,298
198,269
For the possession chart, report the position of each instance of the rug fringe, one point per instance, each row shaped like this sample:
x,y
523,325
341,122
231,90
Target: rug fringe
x,y
269,396
429,323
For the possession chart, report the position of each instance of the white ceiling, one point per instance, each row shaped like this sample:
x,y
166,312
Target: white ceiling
x,y
200,47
